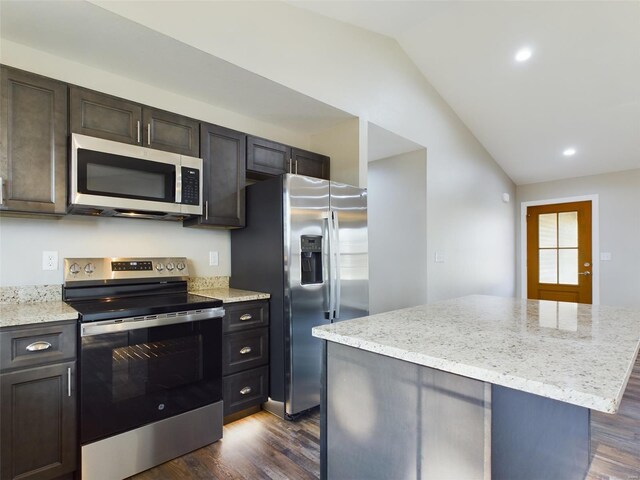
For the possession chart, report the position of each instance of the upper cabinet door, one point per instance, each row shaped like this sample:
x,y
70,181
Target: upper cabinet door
x,y
310,164
223,154
33,149
265,157
170,132
100,115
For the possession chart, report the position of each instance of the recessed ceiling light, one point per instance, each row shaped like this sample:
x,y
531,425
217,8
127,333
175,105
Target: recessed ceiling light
x,y
569,152
523,54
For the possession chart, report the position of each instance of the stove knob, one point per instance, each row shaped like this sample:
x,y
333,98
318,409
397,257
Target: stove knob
x,y
181,266
74,268
170,266
159,267
89,268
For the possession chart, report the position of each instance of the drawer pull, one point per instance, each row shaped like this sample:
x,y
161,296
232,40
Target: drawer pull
x,y
245,390
37,346
245,350
246,316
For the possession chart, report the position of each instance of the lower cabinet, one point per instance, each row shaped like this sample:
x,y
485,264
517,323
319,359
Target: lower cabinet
x,y
245,357
38,435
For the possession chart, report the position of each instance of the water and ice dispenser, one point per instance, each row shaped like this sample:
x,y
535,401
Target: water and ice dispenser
x,y
311,259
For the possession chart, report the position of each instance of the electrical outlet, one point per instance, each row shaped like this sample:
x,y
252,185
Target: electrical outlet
x,y
50,260
213,259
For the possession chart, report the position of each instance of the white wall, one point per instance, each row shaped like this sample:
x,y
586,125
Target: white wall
x,y
397,219
368,75
22,241
619,214
342,145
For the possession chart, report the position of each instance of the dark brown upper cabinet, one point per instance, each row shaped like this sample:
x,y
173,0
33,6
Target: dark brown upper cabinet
x,y
310,164
266,158
170,132
33,143
223,153
99,115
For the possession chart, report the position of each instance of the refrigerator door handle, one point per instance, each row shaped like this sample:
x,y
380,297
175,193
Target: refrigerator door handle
x,y
335,239
328,265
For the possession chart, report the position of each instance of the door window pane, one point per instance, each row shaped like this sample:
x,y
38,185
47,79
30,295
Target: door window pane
x,y
568,229
549,266
548,230
568,266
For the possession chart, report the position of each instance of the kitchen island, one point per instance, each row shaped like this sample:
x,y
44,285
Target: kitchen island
x,y
475,387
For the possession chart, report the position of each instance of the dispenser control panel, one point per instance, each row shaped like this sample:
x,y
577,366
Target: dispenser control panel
x,y
310,259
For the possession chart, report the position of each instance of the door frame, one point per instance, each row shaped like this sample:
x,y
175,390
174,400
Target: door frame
x,y
595,241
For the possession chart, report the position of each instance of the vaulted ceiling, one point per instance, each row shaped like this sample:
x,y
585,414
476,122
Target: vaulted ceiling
x,y
580,89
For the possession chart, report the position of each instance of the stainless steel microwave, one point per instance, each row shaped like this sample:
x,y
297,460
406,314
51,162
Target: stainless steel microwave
x,y
116,179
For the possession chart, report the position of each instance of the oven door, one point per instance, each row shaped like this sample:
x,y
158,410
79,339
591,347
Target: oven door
x,y
133,377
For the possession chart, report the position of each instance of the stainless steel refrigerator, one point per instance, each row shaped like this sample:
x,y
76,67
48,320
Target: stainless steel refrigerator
x,y
305,243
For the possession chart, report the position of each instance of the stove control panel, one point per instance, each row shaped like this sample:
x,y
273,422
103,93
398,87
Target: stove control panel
x,y
118,268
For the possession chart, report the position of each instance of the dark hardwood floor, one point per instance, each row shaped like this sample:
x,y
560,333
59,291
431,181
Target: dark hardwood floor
x,y
615,439
260,446
264,447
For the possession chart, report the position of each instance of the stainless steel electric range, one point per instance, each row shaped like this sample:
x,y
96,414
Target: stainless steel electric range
x,y
150,363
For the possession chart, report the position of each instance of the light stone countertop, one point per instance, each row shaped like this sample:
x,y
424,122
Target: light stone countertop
x,y
575,353
14,314
231,295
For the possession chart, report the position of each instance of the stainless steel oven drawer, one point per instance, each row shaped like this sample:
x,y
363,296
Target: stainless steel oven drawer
x,y
246,389
28,346
245,350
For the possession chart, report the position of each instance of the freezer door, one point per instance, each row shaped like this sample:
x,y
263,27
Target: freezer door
x,y
306,214
350,252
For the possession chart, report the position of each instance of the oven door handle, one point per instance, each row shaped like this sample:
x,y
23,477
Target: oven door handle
x,y
134,323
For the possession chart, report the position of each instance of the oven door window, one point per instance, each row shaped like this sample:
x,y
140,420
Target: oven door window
x,y
112,175
132,378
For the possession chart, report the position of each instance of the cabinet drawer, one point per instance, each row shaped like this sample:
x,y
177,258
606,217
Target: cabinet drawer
x,y
35,345
246,389
244,350
245,315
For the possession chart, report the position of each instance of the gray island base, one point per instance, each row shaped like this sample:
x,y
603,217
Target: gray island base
x,y
385,418
414,394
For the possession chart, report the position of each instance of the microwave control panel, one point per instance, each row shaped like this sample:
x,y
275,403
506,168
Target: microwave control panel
x,y
190,186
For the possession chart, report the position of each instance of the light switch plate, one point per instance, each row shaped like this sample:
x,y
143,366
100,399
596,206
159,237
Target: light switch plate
x,y
439,257
213,259
605,256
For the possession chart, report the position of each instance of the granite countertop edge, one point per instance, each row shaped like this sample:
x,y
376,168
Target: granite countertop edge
x,y
572,390
34,313
231,295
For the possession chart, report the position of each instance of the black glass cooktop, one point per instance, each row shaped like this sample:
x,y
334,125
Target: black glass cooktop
x,y
142,305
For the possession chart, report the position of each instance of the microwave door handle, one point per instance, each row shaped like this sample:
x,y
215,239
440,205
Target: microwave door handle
x,y
178,184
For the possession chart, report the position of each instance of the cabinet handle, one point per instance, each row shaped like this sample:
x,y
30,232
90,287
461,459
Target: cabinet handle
x,y
37,346
296,167
69,381
138,128
245,317
290,169
245,350
206,209
245,390
148,134
1,191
